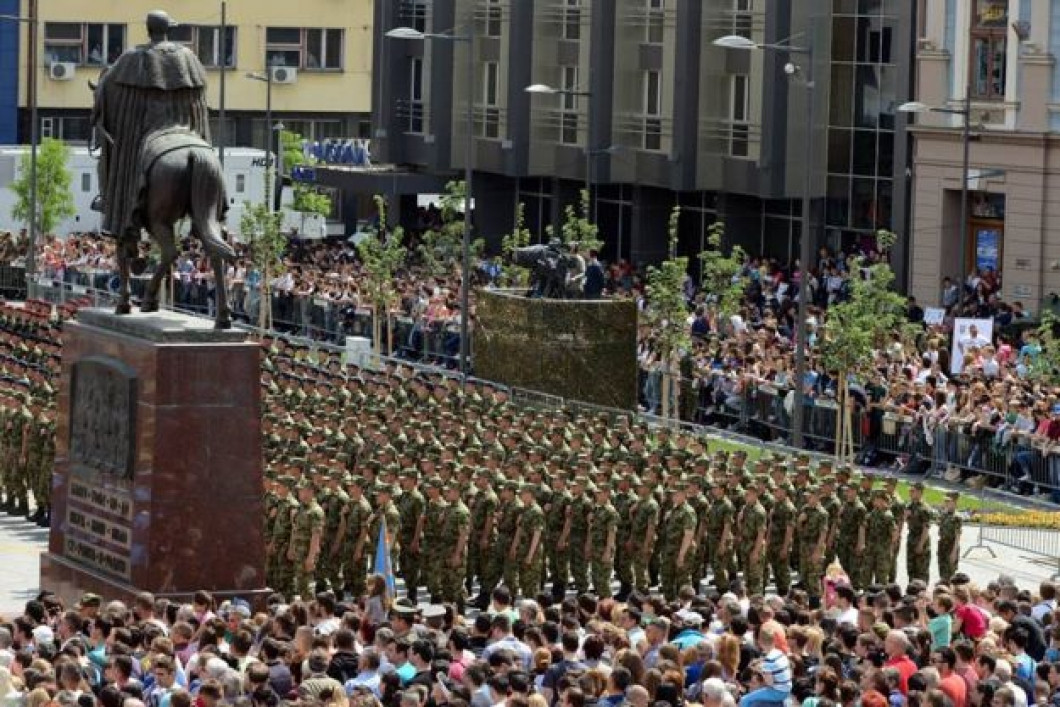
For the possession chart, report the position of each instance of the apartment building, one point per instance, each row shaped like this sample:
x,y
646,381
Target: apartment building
x,y
651,113
318,54
1000,57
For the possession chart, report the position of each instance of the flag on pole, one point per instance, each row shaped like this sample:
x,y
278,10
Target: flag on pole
x,y
382,563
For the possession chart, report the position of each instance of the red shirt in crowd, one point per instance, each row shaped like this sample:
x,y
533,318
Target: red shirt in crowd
x,y
973,621
905,668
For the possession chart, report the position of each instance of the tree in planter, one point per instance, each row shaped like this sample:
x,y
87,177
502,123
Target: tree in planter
x,y
441,251
721,274
307,200
578,228
55,198
516,276
667,313
267,244
854,329
1044,365
383,255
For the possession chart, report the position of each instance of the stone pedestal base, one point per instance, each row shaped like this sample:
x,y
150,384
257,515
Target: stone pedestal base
x,y
158,471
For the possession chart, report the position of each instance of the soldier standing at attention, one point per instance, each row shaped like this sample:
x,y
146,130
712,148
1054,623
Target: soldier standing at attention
x,y
435,550
719,528
483,507
335,503
600,547
812,534
641,543
678,542
949,537
557,519
529,556
850,542
455,531
897,509
306,534
624,500
752,529
581,510
781,534
507,523
385,510
409,531
353,537
918,539
287,507
879,528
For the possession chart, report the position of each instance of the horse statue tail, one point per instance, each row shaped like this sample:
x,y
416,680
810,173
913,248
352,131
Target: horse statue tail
x,y
208,202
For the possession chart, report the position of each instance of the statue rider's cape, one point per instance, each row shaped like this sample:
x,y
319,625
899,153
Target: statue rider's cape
x,y
152,87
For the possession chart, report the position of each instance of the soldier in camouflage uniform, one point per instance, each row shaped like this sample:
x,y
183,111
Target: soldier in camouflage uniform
x,y
719,530
850,542
508,513
678,541
641,543
949,537
623,500
831,503
411,508
385,510
307,532
781,535
41,457
334,502
879,529
556,519
811,532
354,540
752,529
16,476
918,538
581,509
455,532
529,555
282,569
435,548
897,508
483,508
603,536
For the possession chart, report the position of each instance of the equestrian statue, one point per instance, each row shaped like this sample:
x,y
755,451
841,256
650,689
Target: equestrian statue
x,y
156,164
554,270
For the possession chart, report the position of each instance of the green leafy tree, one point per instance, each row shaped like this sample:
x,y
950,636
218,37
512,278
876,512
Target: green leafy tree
x,y
853,330
383,254
667,312
578,227
721,274
264,230
55,198
1044,363
516,275
441,250
306,198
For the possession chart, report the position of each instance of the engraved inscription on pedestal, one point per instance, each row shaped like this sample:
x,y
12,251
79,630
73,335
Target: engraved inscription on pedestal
x,y
99,511
103,416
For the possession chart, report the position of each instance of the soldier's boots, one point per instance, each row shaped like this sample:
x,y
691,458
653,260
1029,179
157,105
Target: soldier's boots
x,y
45,521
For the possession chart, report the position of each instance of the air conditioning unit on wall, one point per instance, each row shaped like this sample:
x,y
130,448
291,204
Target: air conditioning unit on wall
x,y
283,74
62,71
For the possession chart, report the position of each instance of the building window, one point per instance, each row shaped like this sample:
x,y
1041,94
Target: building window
x,y
652,110
989,48
742,17
494,16
416,13
415,124
241,183
86,182
656,21
491,115
83,44
206,43
301,48
572,19
739,115
568,129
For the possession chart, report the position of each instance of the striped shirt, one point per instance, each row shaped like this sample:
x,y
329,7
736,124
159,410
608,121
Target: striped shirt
x,y
776,665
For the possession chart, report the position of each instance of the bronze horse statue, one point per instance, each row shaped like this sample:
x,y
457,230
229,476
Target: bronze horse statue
x,y
550,269
180,176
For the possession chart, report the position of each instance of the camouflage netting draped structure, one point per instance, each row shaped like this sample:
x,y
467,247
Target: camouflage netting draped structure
x,y
583,350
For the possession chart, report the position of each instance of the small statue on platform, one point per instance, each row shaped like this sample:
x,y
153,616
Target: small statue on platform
x,y
554,270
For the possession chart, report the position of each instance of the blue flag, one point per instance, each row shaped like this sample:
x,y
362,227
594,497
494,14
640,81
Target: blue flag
x,y
382,561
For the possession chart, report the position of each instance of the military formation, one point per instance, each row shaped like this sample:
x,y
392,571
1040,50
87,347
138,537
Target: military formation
x,y
476,490
472,489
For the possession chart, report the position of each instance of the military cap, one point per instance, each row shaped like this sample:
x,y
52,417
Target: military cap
x,y
511,485
433,611
891,481
880,493
918,485
383,488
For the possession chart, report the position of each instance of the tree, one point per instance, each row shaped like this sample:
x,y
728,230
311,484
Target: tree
x,y
516,275
1044,363
721,276
854,329
307,200
667,312
55,198
382,254
267,246
441,250
578,228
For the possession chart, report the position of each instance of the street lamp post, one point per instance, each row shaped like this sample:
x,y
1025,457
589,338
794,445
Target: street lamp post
x,y
465,276
965,111
34,140
546,90
267,79
734,41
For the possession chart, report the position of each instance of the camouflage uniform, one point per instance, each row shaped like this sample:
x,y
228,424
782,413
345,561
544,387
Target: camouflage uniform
x,y
673,575
309,520
781,518
603,522
949,540
333,503
507,523
411,507
719,520
385,511
879,527
434,545
751,524
897,509
531,521
356,544
918,544
558,558
643,539
581,509
851,523
483,506
455,528
811,531
624,502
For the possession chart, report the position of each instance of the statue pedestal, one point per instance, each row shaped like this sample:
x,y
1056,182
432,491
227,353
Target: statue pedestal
x,y
158,480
